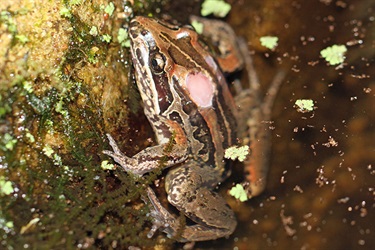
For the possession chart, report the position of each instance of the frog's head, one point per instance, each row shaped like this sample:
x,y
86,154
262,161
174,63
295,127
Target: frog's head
x,y
172,67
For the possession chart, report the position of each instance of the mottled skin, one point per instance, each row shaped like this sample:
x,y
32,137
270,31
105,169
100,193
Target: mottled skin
x,y
186,98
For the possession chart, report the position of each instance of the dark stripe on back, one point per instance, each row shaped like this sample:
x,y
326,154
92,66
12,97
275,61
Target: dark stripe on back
x,y
225,115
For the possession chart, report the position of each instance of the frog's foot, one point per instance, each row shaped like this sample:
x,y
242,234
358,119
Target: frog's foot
x,y
188,189
174,228
149,159
129,164
162,219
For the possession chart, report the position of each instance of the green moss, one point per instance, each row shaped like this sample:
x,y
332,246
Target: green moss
x,y
94,31
107,166
80,199
109,9
7,142
52,156
106,38
122,37
7,19
4,105
65,12
75,2
6,187
22,38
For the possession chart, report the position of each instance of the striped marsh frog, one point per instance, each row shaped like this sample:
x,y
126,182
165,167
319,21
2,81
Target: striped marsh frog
x,y
186,98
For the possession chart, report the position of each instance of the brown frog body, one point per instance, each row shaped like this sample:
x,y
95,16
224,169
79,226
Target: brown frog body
x,y
186,98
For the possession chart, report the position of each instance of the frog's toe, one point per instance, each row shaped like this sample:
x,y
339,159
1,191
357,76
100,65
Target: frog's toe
x,y
113,144
159,222
127,163
152,231
161,218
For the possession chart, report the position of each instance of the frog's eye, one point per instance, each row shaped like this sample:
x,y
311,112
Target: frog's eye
x,y
157,63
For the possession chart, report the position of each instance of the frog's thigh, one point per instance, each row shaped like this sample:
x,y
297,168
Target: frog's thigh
x,y
189,190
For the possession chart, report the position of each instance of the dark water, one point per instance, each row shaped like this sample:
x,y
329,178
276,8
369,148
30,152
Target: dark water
x,y
320,193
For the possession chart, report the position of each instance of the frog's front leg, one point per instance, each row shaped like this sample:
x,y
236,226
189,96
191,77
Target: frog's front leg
x,y
189,189
165,154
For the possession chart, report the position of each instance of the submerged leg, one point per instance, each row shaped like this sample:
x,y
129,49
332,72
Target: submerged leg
x,y
257,165
251,104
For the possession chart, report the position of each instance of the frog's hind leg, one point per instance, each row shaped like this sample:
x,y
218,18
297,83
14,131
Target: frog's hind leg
x,y
189,190
251,103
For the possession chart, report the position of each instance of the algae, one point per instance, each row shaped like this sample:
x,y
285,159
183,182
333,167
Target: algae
x,y
62,87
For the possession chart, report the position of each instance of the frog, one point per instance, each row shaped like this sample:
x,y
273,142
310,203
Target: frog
x,y
195,118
